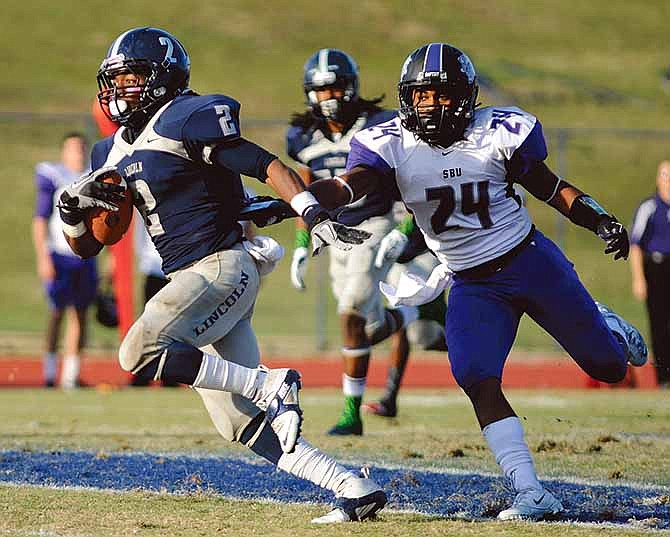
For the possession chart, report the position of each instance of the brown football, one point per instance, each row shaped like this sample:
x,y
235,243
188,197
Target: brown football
x,y
109,226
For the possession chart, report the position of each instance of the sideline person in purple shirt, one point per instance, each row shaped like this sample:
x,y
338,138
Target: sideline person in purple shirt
x,y
69,281
650,267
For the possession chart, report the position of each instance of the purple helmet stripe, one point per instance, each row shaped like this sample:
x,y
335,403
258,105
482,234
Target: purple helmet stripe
x,y
433,61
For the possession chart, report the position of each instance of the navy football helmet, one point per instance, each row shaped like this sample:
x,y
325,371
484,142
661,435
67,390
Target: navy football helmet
x,y
152,53
450,72
331,67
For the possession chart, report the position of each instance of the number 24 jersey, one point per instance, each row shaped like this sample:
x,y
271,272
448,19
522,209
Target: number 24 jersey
x,y
461,196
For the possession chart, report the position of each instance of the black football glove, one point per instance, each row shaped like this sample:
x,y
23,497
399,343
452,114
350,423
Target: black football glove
x,y
615,235
323,232
88,192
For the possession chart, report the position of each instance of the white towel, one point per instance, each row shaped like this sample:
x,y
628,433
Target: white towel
x,y
414,291
266,251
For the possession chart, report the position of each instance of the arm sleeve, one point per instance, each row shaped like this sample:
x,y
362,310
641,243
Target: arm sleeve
x,y
243,157
45,194
527,166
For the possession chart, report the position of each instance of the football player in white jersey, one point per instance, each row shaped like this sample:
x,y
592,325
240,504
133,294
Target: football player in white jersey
x,y
454,165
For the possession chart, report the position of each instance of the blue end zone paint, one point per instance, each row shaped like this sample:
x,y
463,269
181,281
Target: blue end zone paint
x,y
469,496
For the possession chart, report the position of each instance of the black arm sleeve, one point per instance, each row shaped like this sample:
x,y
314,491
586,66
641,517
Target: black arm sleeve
x,y
535,176
243,157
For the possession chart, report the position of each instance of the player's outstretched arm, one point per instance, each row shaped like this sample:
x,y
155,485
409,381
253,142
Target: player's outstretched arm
x,y
579,207
323,231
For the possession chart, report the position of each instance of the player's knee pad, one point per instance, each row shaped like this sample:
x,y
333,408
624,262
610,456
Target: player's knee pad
x,y
230,413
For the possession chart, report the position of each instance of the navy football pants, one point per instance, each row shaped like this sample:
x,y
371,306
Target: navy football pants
x,y
484,313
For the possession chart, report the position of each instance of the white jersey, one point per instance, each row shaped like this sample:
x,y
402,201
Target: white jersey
x,y
461,197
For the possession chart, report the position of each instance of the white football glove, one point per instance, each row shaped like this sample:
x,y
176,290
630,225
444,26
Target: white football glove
x,y
299,267
90,191
390,247
342,237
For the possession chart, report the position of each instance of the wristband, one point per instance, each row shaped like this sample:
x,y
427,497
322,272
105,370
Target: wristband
x,y
345,185
301,202
75,231
301,238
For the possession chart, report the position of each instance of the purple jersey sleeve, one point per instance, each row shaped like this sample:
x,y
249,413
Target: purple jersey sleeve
x,y
533,149
45,194
361,155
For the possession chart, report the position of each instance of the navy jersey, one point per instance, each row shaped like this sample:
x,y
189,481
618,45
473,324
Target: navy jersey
x,y
190,207
327,157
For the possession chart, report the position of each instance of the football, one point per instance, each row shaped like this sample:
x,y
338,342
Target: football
x,y
109,226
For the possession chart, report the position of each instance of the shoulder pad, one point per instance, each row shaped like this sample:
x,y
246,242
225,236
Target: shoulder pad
x,y
297,138
508,126
208,119
381,117
100,152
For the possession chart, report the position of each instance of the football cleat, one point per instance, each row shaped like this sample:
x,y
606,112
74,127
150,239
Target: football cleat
x,y
279,398
532,505
351,429
385,409
361,500
630,337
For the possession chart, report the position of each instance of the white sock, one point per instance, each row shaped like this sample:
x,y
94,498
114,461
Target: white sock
x,y
69,375
351,386
219,374
49,365
307,462
505,438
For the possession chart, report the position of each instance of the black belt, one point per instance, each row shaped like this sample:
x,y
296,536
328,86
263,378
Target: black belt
x,y
491,267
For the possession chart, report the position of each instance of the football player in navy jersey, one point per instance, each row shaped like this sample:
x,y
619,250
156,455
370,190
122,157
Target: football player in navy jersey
x,y
319,140
454,165
181,154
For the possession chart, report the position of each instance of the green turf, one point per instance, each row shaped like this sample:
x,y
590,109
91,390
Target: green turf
x,y
574,64
583,434
44,512
608,436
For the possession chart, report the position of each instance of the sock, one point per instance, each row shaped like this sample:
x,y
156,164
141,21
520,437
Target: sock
x,y
69,375
49,365
218,374
307,462
393,379
505,439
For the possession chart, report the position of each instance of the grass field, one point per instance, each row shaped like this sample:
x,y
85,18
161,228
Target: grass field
x,y
153,448
574,64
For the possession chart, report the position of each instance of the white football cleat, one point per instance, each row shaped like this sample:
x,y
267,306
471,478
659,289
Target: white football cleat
x,y
361,499
532,505
279,398
636,348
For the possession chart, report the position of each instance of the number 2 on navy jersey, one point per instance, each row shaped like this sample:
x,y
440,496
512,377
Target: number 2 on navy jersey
x,y
145,204
225,119
469,205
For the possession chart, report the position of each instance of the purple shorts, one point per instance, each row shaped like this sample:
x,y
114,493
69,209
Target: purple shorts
x,y
75,282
